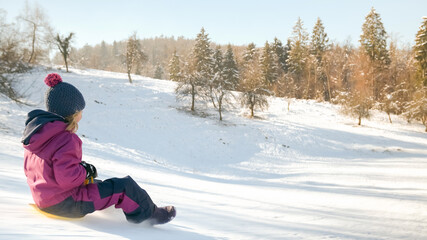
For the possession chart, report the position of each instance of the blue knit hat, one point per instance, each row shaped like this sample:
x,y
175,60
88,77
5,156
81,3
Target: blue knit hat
x,y
62,98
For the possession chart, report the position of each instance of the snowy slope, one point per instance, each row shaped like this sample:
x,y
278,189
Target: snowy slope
x,y
307,173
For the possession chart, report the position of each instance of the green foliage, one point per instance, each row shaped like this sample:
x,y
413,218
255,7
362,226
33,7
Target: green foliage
x,y
318,47
420,50
199,72
225,78
230,70
319,41
201,58
299,57
281,55
374,39
175,73
269,68
158,74
249,53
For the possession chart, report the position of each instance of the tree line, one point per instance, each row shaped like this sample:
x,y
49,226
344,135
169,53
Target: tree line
x,y
375,75
378,74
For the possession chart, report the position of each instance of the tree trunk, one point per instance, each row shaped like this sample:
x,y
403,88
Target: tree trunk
x,y
220,110
360,120
33,44
220,105
193,95
65,60
389,118
307,91
425,121
130,78
329,89
211,96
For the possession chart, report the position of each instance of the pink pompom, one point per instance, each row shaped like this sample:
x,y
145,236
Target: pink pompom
x,y
52,79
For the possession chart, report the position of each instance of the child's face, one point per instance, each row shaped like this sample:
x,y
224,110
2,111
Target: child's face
x,y
79,117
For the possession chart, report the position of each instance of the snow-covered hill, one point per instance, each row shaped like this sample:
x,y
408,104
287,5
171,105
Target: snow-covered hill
x,y
307,173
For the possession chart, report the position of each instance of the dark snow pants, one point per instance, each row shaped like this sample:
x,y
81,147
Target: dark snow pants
x,y
124,193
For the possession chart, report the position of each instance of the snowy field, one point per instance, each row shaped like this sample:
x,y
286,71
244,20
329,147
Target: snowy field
x,y
307,173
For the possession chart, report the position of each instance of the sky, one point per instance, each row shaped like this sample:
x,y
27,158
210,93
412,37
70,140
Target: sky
x,y
238,22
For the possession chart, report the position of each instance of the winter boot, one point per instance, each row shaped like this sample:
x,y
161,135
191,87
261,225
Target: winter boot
x,y
162,215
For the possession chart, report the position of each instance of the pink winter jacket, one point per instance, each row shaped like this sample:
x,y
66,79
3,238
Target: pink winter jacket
x,y
52,164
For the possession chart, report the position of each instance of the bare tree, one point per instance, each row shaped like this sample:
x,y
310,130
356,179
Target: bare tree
x,y
64,46
38,32
11,60
359,99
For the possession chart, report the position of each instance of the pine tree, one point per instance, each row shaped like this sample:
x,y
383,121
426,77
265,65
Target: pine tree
x,y
374,43
226,77
281,55
252,85
269,68
158,73
319,46
249,53
134,55
216,86
420,49
103,56
284,86
174,68
298,57
115,50
230,70
319,41
216,82
217,58
199,71
116,61
202,58
287,48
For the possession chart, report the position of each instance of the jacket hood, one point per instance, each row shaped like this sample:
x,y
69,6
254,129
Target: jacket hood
x,y
36,119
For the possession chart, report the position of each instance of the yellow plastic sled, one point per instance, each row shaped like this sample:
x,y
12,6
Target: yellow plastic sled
x,y
49,215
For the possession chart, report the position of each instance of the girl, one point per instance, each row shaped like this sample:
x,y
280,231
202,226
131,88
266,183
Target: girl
x,y
56,173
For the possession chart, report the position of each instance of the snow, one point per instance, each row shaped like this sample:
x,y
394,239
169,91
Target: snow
x,y
307,173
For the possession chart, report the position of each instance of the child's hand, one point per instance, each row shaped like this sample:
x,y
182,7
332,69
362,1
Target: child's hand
x,y
90,170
